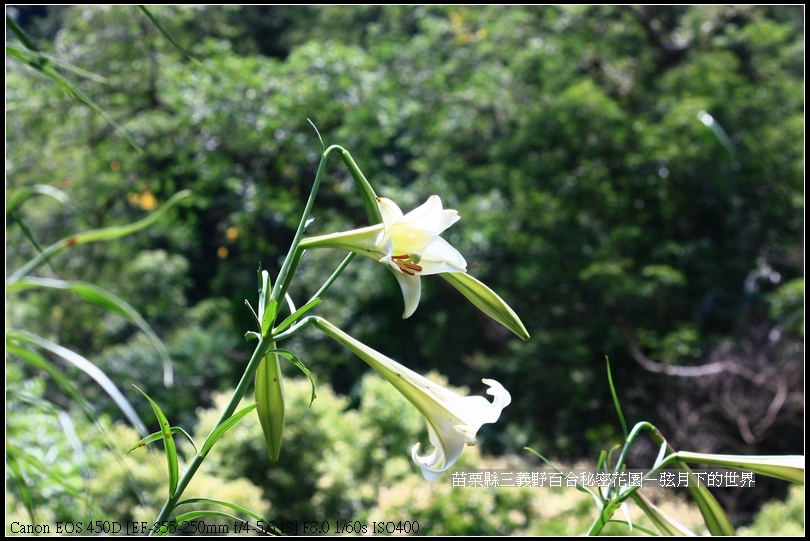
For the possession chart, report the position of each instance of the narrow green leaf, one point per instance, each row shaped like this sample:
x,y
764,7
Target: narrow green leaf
x,y
155,436
662,454
96,235
16,475
168,36
292,318
255,316
110,302
19,196
290,356
28,56
318,133
21,35
269,315
168,443
202,527
290,303
268,306
224,427
23,194
786,467
615,396
234,506
635,526
41,363
329,281
602,458
487,301
714,516
38,62
55,477
665,524
599,503
27,234
69,429
85,366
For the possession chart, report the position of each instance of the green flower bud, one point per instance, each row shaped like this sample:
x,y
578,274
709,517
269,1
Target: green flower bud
x,y
270,402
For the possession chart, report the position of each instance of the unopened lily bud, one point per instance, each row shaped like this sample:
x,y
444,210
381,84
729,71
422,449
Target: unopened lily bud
x,y
270,402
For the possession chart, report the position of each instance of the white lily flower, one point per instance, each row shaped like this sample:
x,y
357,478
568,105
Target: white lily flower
x,y
452,420
408,244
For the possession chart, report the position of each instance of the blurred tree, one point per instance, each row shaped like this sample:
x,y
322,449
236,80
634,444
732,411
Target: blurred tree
x,y
624,175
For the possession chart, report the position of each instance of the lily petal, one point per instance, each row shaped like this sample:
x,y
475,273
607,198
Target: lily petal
x,y
440,256
427,216
390,211
452,420
411,287
449,217
448,439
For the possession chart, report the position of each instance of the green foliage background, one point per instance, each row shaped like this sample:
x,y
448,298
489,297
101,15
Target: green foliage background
x,y
626,176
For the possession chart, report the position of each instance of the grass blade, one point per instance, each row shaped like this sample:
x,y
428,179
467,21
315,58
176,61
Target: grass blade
x,y
85,366
16,475
110,302
665,524
40,63
615,396
156,24
234,506
96,235
22,194
12,451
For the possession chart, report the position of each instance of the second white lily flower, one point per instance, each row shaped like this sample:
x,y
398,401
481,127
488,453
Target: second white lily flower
x,y
452,420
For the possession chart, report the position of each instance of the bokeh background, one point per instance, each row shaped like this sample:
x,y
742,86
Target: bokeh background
x,y
630,181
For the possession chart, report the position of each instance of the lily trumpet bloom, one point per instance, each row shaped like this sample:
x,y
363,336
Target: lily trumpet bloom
x,y
409,245
452,420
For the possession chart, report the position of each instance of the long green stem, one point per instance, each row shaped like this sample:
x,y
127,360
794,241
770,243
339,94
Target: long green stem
x,y
628,443
601,520
295,253
239,393
279,291
334,276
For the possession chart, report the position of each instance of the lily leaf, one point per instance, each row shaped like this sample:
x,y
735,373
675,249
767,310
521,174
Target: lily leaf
x,y
665,524
297,362
292,318
714,516
168,442
224,427
155,436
